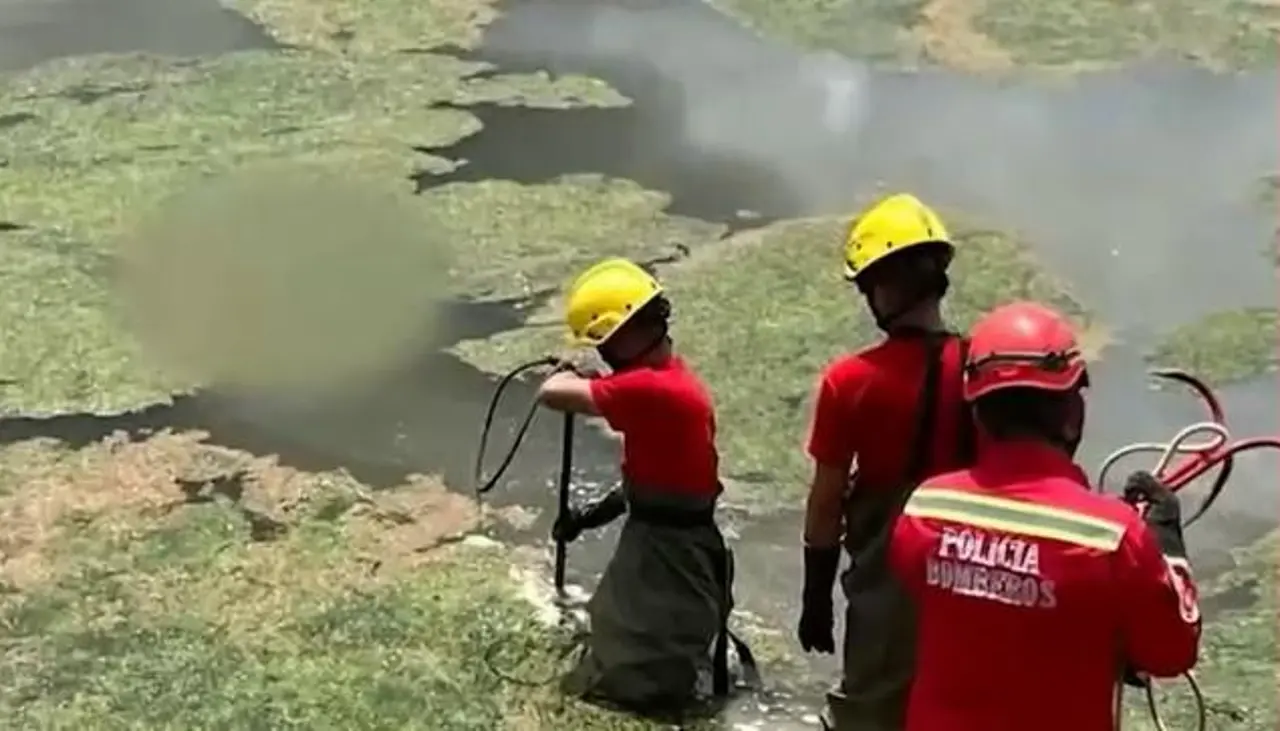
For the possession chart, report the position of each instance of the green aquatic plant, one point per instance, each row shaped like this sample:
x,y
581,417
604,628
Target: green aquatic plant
x,y
1226,346
160,599
983,35
83,166
874,29
371,28
1222,33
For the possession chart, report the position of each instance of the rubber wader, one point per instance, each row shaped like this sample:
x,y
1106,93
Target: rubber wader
x,y
659,617
879,640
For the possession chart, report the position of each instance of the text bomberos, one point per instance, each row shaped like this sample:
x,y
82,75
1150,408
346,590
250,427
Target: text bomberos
x,y
994,567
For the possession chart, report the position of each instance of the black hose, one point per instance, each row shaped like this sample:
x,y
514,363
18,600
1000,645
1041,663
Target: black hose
x,y
483,484
1224,474
1202,709
566,476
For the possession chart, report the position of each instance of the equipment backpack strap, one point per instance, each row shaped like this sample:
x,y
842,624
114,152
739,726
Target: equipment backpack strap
x,y
720,654
927,408
926,419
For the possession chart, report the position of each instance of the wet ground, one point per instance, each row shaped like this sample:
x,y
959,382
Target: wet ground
x,y
1138,186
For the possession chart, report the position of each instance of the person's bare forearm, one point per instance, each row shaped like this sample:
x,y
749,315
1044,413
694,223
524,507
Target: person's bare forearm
x,y
824,510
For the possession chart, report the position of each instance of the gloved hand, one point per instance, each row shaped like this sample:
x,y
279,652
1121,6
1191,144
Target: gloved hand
x,y
816,620
568,527
1135,679
1160,508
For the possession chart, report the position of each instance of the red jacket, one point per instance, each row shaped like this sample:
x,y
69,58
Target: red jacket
x,y
1033,592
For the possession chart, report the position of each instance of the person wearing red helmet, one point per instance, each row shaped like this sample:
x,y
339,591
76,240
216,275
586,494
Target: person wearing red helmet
x,y
1027,583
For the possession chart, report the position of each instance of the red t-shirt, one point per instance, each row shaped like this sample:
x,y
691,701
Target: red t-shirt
x,y
668,426
866,411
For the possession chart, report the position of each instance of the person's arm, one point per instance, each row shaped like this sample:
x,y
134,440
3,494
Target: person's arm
x,y
832,454
568,391
905,554
1161,614
832,448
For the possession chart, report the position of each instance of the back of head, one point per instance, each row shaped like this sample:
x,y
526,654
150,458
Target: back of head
x,y
1024,374
897,253
619,309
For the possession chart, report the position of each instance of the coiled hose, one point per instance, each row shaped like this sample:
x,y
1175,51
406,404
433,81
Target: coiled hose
x,y
483,484
1218,436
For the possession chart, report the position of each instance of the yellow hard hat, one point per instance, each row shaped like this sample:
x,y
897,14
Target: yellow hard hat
x,y
604,297
896,223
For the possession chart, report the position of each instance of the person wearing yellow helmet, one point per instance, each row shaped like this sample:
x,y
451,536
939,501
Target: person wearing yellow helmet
x,y
884,418
665,596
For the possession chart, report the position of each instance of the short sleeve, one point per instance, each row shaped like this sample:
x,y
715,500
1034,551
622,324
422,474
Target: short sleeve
x,y
830,440
904,555
619,397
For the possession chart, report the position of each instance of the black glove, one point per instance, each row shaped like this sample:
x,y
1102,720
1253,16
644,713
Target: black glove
x,y
1161,510
1135,679
816,620
568,527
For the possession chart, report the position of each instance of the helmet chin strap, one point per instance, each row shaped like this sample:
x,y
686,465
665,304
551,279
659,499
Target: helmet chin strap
x,y
617,363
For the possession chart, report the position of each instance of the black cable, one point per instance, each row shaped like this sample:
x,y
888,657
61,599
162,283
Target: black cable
x,y
1224,474
574,642
482,484
1202,709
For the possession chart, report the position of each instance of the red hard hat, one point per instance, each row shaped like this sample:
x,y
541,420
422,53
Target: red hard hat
x,y
1022,345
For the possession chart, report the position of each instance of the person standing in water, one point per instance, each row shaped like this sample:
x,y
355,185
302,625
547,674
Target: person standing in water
x,y
884,418
666,594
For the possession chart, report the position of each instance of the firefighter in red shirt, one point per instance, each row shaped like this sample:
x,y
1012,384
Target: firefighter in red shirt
x,y
1029,585
894,414
664,599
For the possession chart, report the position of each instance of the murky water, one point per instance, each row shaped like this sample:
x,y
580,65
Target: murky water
x,y
32,31
1138,186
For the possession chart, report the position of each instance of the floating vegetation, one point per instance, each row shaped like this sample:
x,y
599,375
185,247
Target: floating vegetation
x,y
1217,33
371,28
165,123
1001,34
1232,345
166,582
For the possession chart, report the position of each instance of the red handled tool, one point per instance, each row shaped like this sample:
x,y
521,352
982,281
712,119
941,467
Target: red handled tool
x,y
1182,462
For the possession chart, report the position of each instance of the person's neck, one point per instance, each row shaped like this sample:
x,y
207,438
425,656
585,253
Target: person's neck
x,y
660,353
926,317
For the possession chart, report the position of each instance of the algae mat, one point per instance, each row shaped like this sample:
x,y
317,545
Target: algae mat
x,y
1000,35
1224,347
169,584
152,125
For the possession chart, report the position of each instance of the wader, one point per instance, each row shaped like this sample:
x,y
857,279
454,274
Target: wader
x,y
659,617
880,622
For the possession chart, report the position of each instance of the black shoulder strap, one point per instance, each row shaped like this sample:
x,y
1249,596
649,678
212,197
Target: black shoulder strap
x,y
926,409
